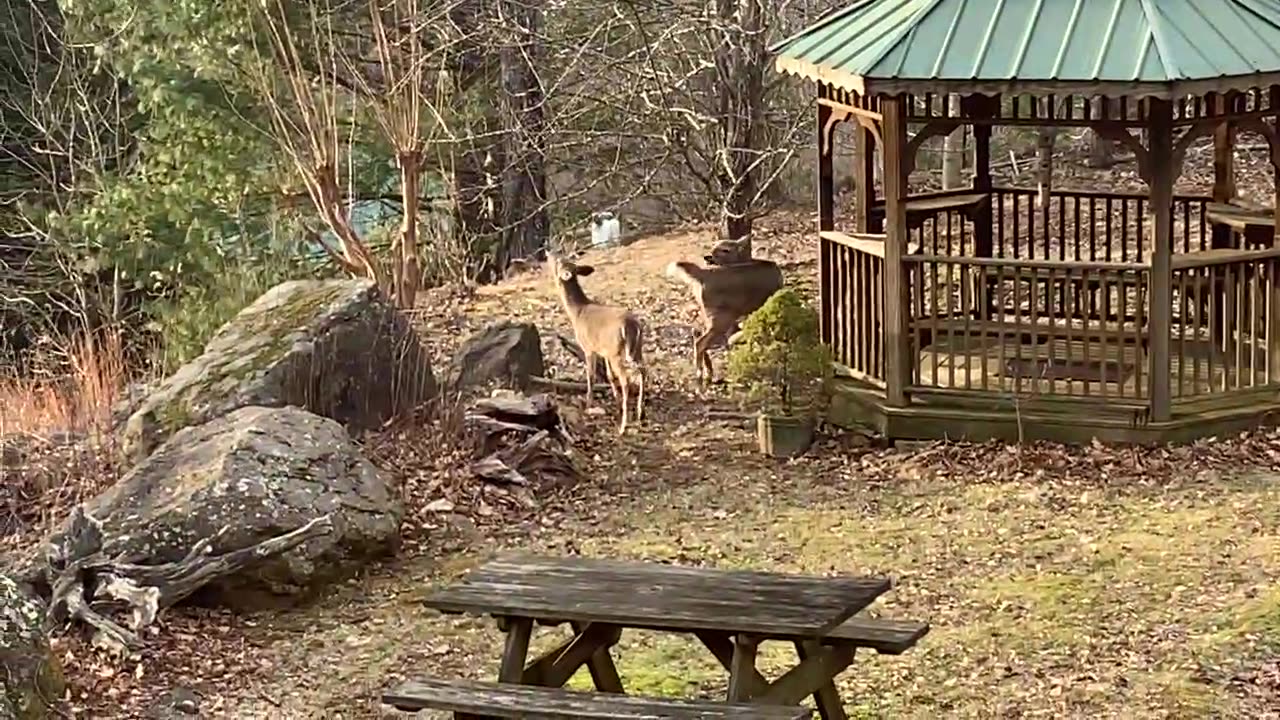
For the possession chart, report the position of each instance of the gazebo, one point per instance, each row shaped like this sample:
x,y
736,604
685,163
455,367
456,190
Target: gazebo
x,y
983,313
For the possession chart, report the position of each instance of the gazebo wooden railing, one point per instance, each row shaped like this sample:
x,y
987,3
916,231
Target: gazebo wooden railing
x,y
994,311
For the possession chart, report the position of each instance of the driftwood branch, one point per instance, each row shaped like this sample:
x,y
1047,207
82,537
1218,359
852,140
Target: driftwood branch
x,y
566,386
87,584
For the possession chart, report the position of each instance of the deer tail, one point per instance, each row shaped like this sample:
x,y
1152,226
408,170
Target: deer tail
x,y
633,341
685,272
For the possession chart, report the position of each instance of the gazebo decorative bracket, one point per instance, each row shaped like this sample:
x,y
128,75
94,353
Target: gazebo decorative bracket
x,y
1268,133
1181,144
1131,143
838,116
841,112
934,129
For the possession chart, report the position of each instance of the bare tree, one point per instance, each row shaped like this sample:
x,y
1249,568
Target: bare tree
x,y
524,198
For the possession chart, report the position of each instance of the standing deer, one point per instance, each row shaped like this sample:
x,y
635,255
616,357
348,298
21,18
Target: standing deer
x,y
609,332
730,288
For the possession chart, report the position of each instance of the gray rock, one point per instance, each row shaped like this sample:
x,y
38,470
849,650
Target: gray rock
x,y
333,347
30,676
506,352
248,476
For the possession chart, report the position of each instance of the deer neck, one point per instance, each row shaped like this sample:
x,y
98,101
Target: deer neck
x,y
572,296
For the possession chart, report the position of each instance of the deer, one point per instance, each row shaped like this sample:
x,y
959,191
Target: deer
x,y
612,333
729,288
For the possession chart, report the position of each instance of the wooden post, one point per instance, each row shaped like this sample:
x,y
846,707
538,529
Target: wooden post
x,y
897,365
826,215
983,107
864,180
826,165
742,668
1273,326
1224,179
517,649
1160,183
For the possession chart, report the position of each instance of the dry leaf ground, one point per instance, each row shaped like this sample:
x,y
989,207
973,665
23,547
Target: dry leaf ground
x,y
1091,582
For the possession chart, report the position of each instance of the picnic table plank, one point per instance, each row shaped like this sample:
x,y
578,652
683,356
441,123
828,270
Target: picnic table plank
x,y
524,701
660,597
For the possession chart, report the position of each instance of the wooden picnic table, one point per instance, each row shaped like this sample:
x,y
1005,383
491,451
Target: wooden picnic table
x,y
729,611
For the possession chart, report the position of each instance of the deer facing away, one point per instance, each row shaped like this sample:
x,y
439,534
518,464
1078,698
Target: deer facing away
x,y
729,288
612,333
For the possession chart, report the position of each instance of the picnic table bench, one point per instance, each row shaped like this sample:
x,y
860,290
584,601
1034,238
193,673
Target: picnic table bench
x,y
1256,226
729,611
506,700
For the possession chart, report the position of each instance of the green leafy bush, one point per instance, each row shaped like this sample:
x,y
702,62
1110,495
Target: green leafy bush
x,y
780,356
187,320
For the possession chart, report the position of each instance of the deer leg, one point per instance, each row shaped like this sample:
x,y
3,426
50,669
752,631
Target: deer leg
x,y
639,393
701,359
615,371
590,359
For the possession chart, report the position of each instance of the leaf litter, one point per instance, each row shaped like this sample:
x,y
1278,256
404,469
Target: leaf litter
x,y
1092,581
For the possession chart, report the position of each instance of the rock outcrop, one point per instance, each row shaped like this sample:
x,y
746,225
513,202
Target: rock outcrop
x,y
335,347
239,481
506,352
30,676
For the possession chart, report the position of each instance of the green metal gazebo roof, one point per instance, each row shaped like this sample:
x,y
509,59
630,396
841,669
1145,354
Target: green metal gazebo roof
x,y
1151,46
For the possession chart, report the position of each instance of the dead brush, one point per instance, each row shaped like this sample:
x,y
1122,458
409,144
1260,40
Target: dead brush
x,y
56,445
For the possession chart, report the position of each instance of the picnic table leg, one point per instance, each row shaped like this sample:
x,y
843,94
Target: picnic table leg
x,y
559,664
742,668
827,698
603,672
518,632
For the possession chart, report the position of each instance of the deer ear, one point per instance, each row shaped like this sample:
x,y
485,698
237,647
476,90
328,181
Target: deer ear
x,y
585,270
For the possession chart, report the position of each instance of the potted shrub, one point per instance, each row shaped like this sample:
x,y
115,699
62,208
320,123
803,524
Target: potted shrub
x,y
779,356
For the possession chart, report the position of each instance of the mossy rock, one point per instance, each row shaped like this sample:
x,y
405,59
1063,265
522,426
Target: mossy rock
x,y
244,478
30,675
336,348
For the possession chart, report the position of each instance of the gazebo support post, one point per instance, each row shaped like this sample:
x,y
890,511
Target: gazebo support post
x,y
864,179
1273,332
894,132
826,163
1160,181
1224,176
826,211
982,107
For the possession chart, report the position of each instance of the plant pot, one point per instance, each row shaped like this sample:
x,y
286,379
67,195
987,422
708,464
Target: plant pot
x,y
783,436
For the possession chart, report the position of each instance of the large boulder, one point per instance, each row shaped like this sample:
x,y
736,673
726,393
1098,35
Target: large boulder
x,y
249,476
506,352
334,347
30,676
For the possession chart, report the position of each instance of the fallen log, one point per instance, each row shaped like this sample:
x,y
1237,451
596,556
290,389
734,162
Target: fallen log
x,y
88,586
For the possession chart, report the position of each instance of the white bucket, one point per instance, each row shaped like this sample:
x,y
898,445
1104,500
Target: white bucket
x,y
605,229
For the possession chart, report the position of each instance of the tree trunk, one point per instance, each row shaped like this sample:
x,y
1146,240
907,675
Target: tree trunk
x,y
526,228
953,151
740,65
408,274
